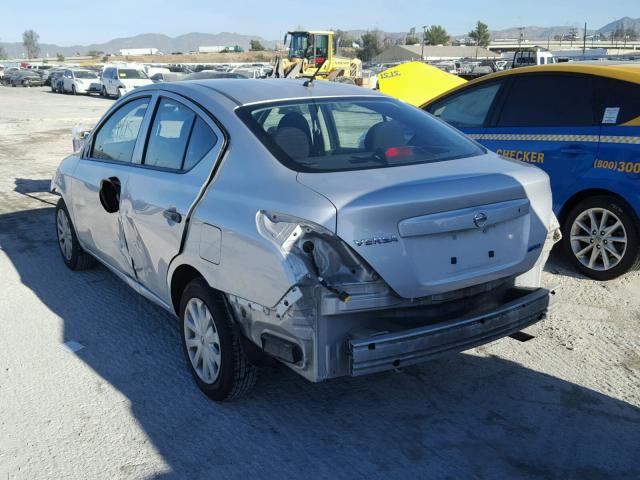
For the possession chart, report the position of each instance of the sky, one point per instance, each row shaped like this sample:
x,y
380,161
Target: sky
x,y
73,22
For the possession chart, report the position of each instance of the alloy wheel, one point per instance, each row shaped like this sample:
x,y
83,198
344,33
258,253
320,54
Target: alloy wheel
x,y
202,341
598,239
64,235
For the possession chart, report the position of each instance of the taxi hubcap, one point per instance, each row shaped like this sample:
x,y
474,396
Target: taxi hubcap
x,y
598,239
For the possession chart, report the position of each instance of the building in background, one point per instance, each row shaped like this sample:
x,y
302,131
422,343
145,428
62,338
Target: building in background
x,y
407,53
139,51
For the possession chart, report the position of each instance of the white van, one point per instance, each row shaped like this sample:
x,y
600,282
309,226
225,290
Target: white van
x,y
116,81
530,57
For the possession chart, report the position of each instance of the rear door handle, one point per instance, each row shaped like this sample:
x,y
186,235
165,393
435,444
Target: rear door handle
x,y
573,150
172,215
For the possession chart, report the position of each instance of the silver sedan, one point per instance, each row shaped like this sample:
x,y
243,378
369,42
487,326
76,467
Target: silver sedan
x,y
337,230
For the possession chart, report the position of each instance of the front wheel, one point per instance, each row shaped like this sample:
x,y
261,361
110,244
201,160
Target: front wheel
x,y
73,90
72,253
600,238
212,345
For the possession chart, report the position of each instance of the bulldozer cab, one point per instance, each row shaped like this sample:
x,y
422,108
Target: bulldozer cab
x,y
313,48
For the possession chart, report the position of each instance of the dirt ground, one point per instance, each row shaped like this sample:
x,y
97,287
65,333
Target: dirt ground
x,y
563,405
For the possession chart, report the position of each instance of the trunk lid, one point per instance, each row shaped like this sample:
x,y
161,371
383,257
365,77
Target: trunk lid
x,y
437,227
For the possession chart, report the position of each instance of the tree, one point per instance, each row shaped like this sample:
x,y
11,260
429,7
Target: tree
x,y
411,40
95,53
370,45
256,46
436,35
343,38
30,41
3,53
59,57
481,35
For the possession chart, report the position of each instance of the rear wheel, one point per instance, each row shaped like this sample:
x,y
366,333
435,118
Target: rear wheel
x,y
212,344
72,253
600,238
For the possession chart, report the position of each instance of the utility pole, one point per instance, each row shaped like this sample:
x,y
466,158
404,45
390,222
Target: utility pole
x,y
424,35
584,40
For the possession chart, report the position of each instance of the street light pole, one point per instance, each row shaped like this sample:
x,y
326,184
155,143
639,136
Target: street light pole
x,y
424,34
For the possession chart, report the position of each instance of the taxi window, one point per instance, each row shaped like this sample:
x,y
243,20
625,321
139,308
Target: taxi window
x,y
622,97
468,109
548,101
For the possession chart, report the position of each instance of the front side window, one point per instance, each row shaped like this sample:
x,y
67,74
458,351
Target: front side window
x,y
468,109
329,135
117,137
549,100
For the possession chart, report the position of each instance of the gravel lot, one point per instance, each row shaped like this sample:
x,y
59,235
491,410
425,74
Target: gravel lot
x,y
565,404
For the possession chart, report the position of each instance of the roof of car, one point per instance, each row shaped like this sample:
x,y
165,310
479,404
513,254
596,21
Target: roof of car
x,y
629,72
244,92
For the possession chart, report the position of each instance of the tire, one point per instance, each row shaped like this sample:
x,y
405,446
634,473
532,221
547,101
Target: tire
x,y
119,93
598,256
235,375
103,93
75,257
26,83
73,90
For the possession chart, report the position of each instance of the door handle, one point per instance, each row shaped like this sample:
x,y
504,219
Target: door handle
x,y
573,150
172,215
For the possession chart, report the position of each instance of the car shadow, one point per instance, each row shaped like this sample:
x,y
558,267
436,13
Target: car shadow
x,y
464,416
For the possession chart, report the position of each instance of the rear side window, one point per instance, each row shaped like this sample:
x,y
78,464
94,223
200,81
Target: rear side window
x,y
548,100
617,94
178,138
117,137
331,135
202,141
468,109
169,135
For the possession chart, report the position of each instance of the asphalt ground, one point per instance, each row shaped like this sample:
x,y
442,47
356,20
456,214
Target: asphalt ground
x,y
562,405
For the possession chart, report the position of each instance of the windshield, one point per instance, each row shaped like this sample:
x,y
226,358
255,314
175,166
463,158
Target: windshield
x,y
131,74
85,74
330,135
298,46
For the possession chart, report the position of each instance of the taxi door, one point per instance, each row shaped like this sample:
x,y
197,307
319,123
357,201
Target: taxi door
x,y
548,120
619,152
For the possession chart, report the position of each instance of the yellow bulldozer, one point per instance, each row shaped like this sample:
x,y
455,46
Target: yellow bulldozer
x,y
313,55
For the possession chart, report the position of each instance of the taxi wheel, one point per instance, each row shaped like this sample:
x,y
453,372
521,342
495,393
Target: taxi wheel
x,y
600,238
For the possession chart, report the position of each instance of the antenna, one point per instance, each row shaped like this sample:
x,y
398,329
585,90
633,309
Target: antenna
x,y
309,83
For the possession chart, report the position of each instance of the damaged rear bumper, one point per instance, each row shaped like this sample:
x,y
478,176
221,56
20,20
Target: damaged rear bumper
x,y
388,350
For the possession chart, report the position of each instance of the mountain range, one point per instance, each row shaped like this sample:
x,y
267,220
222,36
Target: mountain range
x,y
191,41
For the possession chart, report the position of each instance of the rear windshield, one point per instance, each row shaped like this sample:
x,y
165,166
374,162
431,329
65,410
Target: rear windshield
x,y
131,74
331,135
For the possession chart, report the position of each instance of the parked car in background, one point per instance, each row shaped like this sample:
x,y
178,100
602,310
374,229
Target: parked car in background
x,y
116,81
54,79
167,77
27,78
581,124
9,73
333,228
75,80
211,75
